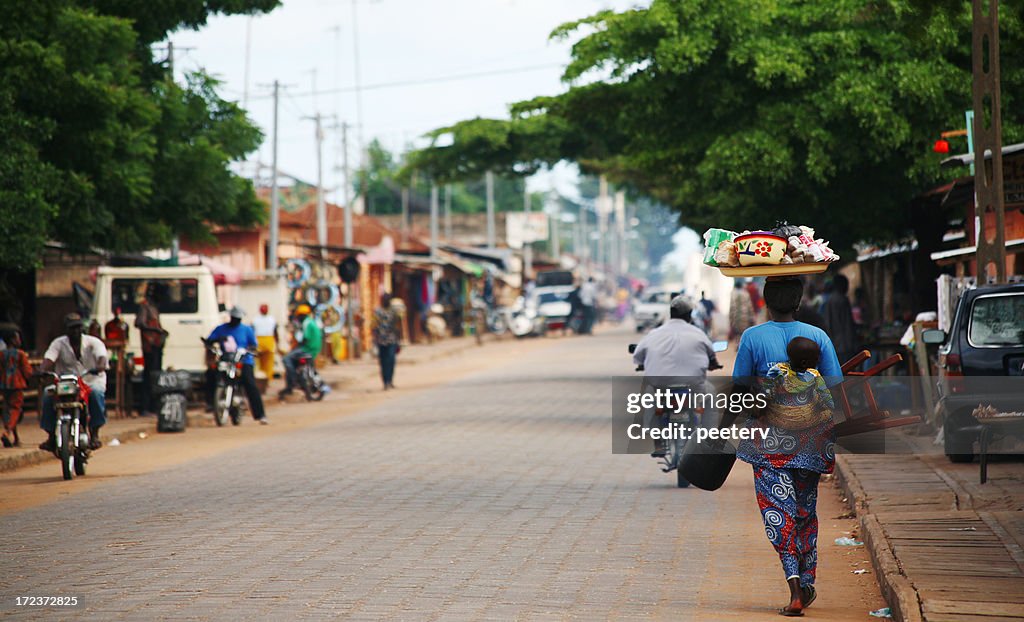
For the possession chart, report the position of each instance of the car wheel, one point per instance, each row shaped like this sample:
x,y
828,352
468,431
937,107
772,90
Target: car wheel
x,y
959,446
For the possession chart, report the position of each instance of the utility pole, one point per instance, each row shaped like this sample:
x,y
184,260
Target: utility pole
x,y
448,212
602,222
620,232
405,209
527,244
175,241
275,205
989,203
556,240
348,186
490,209
321,210
248,57
433,220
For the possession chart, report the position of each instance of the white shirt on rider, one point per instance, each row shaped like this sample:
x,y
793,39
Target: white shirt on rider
x,y
94,356
677,348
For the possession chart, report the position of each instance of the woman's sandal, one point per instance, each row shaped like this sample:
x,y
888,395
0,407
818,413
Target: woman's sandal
x,y
790,613
811,595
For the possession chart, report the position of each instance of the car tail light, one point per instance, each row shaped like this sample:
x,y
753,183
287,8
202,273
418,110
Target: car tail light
x,y
238,366
954,371
951,363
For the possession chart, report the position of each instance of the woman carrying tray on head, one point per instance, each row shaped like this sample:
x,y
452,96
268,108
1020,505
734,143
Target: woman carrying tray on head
x,y
788,462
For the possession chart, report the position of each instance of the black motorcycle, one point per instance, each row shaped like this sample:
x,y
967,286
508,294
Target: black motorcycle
x,y
309,379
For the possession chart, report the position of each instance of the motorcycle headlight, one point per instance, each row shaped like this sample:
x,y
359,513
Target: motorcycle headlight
x,y
224,366
67,387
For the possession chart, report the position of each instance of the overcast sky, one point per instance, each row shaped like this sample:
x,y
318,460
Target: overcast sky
x,y
407,50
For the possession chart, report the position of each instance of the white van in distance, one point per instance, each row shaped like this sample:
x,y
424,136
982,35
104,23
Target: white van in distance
x,y
187,300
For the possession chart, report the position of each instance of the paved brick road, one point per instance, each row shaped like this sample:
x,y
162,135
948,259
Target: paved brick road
x,y
492,497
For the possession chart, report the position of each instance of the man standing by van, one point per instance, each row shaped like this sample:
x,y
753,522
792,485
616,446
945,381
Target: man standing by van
x,y
153,336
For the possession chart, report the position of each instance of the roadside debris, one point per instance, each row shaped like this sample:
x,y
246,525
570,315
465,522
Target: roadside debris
x,y
861,571
113,443
848,542
884,612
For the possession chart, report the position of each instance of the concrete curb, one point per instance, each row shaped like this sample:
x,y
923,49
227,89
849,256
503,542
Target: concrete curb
x,y
38,456
896,588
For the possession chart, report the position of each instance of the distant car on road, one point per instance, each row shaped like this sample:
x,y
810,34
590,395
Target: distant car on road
x,y
985,344
551,306
652,308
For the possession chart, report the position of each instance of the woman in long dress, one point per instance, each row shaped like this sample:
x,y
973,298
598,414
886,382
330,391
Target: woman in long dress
x,y
788,464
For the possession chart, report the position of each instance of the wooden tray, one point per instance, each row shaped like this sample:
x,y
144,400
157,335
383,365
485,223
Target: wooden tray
x,y
780,270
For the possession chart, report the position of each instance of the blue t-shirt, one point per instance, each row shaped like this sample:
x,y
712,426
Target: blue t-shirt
x,y
242,334
764,345
812,449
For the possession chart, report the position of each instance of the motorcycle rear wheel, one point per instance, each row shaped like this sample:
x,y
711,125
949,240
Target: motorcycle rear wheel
x,y
312,385
67,452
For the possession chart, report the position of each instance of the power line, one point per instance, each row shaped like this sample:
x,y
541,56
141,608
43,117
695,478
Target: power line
x,y
425,81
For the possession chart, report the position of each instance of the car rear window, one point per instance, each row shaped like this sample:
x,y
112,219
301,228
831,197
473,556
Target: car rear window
x,y
172,295
660,297
997,321
552,297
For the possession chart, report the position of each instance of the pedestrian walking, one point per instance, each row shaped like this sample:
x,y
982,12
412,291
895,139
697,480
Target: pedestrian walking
x,y
386,334
232,335
838,319
755,300
588,300
153,336
265,327
15,371
741,310
788,463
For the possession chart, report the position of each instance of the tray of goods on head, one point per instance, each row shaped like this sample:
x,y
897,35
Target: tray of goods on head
x,y
783,251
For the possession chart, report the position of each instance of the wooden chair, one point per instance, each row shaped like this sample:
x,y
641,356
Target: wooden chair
x,y
870,417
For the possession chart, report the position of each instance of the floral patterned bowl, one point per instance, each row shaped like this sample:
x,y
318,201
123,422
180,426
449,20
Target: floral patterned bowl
x,y
760,248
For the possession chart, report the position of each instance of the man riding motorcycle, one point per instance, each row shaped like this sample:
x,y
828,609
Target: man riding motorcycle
x,y
242,336
675,350
75,353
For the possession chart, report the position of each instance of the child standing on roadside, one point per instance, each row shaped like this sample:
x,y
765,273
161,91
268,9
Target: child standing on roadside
x,y
14,374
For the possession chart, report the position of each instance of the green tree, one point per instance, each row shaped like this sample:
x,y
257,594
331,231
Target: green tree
x,y
100,149
386,175
740,113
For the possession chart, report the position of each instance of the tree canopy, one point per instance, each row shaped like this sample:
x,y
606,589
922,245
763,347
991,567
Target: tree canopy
x,y
740,113
101,149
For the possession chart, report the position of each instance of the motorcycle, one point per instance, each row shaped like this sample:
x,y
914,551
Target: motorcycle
x,y
310,381
689,417
229,396
71,402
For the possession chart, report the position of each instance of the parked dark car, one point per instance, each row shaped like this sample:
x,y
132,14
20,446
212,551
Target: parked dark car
x,y
984,347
